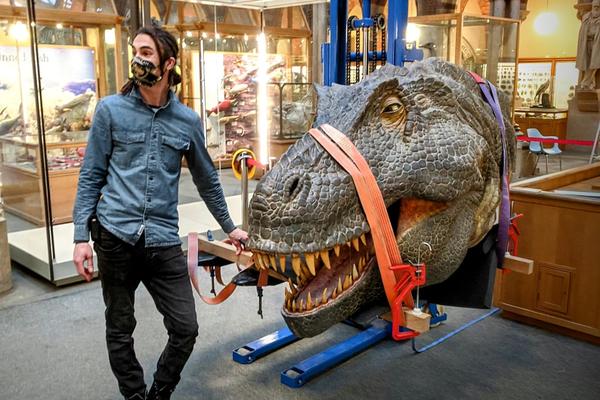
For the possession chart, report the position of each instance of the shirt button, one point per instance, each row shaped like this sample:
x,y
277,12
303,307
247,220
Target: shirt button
x,y
152,157
151,178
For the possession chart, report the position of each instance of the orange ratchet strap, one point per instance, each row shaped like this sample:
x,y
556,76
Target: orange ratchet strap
x,y
192,261
386,249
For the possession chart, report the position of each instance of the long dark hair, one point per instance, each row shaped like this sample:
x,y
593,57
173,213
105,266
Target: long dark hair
x,y
167,48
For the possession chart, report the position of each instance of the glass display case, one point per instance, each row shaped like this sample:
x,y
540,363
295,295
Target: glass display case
x,y
220,63
556,77
82,38
53,70
549,121
552,79
22,174
483,44
534,77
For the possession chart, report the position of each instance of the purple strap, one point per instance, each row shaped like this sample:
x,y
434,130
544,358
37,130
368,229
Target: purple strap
x,y
491,97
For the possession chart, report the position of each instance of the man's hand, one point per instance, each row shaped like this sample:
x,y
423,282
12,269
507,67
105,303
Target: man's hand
x,y
83,255
238,238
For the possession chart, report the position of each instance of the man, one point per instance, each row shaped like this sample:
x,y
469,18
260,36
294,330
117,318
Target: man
x,y
127,196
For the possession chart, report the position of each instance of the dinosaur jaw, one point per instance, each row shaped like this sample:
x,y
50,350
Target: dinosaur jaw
x,y
329,285
317,279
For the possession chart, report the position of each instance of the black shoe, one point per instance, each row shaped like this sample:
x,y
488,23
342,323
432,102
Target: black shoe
x,y
137,396
160,392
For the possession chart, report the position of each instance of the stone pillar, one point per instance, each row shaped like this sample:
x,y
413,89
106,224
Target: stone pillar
x,y
320,25
5,269
494,42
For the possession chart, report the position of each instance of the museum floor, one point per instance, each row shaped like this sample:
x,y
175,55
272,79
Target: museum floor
x,y
52,347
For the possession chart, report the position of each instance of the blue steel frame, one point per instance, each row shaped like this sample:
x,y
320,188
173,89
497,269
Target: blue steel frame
x,y
305,370
333,54
252,351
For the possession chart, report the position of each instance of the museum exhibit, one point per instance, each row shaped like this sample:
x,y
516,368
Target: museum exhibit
x,y
293,199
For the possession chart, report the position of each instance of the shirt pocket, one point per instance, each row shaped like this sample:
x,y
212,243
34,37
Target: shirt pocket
x,y
172,150
128,148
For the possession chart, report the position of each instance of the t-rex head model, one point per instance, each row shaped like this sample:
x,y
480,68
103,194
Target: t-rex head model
x,y
435,150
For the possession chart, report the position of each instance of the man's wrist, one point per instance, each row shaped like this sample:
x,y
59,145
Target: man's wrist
x,y
80,241
228,226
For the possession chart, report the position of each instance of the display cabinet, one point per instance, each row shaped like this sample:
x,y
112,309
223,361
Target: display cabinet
x,y
83,38
559,230
549,121
22,174
555,76
56,61
220,62
483,44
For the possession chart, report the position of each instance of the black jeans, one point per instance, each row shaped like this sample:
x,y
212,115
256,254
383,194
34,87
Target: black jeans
x,y
163,271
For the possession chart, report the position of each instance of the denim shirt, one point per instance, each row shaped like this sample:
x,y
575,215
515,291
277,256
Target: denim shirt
x,y
130,174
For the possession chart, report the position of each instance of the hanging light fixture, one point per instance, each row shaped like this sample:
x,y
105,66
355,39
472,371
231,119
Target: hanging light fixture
x,y
18,31
546,23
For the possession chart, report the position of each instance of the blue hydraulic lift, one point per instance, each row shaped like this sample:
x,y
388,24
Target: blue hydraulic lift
x,y
334,54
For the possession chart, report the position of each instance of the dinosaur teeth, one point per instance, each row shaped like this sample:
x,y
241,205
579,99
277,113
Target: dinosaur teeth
x,y
296,264
339,285
288,294
310,262
309,302
336,248
363,239
334,293
354,272
317,301
301,306
273,262
265,260
258,261
361,265
292,286
325,258
324,296
282,263
294,305
347,282
355,244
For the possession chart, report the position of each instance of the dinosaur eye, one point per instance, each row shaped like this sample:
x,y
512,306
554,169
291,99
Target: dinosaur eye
x,y
393,111
392,108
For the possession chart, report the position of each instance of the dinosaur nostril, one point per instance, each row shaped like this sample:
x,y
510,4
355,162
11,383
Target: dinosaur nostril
x,y
292,186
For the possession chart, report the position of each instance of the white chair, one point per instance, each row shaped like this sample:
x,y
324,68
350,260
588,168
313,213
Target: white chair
x,y
538,148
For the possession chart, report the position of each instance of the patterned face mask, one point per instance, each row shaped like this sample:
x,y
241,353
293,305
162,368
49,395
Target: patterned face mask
x,y
142,72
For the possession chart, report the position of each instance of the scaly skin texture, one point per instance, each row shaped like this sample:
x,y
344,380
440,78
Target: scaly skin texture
x,y
435,149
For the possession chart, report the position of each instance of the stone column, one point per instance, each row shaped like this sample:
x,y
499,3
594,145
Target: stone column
x,y
5,269
320,25
494,42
